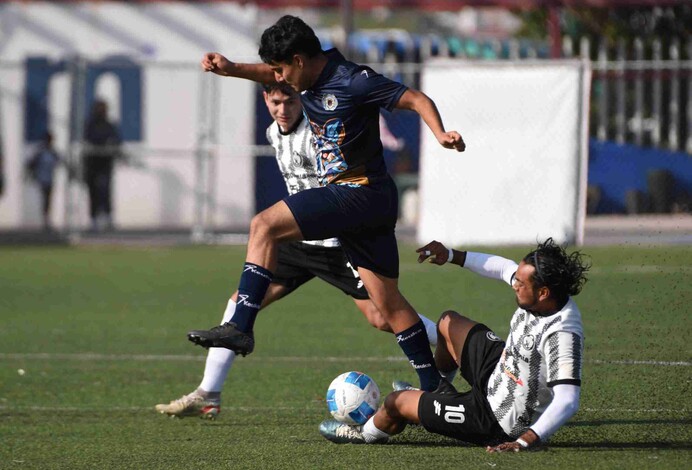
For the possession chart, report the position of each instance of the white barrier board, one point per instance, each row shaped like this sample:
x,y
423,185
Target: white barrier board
x,y
522,177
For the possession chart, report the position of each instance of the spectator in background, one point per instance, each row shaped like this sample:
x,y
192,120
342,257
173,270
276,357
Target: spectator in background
x,y
101,150
41,168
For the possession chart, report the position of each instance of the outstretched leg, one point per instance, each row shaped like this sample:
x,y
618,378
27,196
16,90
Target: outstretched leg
x,y
404,321
268,228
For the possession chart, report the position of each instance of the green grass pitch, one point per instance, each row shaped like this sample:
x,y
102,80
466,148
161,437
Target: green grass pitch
x,y
100,335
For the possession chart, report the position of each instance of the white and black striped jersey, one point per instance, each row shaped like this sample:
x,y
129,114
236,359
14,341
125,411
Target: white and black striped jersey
x,y
296,156
540,352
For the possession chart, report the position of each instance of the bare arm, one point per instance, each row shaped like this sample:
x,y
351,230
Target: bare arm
x,y
218,64
419,102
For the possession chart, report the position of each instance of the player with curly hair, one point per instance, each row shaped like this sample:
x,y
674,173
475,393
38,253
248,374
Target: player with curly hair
x,y
522,390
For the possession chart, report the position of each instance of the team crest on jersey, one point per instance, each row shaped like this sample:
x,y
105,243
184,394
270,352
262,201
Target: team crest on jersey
x,y
492,336
297,159
329,102
528,342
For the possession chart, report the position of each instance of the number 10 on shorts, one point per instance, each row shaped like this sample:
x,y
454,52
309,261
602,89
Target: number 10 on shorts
x,y
455,414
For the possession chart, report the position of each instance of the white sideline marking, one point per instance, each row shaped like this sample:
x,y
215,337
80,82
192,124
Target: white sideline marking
x,y
628,362
200,358
640,269
631,410
281,408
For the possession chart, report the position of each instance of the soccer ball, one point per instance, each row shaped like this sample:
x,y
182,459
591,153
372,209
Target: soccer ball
x,y
353,397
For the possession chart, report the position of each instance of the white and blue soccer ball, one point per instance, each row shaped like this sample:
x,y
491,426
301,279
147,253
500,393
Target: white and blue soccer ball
x,y
353,397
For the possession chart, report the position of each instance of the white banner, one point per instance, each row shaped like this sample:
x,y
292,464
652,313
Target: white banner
x,y
522,177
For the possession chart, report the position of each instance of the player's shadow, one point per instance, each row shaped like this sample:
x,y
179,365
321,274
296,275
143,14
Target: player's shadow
x,y
417,437
626,445
595,446
645,422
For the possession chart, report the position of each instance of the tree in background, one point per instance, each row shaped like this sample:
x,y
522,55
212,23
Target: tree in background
x,y
647,23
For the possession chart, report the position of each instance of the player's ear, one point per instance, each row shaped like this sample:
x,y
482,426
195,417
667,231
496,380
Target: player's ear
x,y
299,61
543,293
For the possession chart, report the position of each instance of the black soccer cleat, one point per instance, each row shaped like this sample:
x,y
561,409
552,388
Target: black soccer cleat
x,y
226,336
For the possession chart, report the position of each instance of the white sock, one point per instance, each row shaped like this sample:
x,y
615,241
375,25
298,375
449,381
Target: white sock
x,y
430,329
219,360
371,433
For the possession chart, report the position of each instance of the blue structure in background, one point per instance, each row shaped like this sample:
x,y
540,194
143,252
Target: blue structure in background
x,y
269,184
618,169
39,73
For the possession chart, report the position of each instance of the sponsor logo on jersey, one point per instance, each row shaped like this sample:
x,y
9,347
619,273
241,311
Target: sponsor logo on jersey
x,y
329,102
492,336
514,378
365,72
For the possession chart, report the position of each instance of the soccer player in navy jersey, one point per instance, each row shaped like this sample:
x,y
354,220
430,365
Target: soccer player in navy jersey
x,y
358,202
298,262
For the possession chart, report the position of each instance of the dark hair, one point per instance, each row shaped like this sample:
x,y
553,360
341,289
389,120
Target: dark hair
x,y
287,37
562,273
283,87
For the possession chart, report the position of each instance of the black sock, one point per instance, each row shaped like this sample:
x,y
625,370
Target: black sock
x,y
414,342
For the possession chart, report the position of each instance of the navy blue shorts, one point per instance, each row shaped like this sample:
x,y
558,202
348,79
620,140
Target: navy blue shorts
x,y
362,217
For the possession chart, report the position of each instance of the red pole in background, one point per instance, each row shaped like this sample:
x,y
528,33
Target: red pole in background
x,y
554,32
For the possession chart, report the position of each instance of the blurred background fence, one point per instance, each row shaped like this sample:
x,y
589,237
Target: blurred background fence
x,y
194,157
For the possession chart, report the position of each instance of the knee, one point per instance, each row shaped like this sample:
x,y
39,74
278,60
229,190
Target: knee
x,y
375,317
447,320
380,323
260,226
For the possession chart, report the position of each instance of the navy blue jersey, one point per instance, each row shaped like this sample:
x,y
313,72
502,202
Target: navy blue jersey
x,y
343,108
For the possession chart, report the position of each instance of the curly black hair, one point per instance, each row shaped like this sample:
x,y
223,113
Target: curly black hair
x,y
288,36
562,273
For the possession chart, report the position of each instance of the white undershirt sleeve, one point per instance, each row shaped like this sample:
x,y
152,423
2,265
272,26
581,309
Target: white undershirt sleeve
x,y
564,405
491,266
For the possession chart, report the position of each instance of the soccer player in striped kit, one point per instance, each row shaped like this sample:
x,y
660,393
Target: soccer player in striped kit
x,y
523,390
298,262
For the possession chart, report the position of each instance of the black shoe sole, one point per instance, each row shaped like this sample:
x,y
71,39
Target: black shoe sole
x,y
210,343
199,341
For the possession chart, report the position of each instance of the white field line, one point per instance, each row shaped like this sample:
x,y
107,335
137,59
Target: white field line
x,y
598,270
201,358
77,409
640,269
